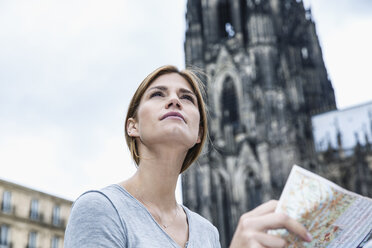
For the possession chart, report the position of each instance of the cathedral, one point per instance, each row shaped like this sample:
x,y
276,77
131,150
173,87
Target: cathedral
x,y
265,81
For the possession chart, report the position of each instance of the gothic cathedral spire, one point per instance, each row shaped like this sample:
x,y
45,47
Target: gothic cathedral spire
x,y
265,79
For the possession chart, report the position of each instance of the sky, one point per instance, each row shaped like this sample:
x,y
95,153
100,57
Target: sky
x,y
69,68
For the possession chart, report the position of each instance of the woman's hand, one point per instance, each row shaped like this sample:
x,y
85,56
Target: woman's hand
x,y
253,226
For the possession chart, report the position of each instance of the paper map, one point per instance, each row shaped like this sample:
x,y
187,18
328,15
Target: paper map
x,y
334,216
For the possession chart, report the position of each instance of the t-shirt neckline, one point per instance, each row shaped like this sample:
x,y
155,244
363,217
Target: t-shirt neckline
x,y
185,209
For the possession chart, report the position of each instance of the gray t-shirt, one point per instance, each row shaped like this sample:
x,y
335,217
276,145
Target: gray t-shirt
x,y
112,217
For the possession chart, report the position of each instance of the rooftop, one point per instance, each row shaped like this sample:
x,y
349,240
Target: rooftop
x,y
353,124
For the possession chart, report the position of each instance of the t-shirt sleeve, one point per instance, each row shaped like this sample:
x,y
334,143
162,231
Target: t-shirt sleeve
x,y
217,243
94,222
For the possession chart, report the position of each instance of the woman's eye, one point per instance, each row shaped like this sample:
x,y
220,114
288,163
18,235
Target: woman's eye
x,y
157,93
188,97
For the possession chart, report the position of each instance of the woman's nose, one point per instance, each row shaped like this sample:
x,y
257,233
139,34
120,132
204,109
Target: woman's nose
x,y
174,102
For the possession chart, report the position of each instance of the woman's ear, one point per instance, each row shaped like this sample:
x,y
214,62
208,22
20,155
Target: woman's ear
x,y
132,128
200,135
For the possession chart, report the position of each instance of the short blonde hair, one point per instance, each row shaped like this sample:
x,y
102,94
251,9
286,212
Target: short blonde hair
x,y
198,88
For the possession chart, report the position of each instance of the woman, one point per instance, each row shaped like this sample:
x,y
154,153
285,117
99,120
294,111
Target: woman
x,y
165,129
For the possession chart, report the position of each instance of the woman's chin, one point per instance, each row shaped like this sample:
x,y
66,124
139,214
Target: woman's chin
x,y
176,137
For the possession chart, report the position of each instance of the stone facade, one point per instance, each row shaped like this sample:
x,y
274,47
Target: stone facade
x,y
31,219
343,145
265,78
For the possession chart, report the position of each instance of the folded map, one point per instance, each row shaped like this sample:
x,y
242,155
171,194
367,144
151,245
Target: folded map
x,y
335,217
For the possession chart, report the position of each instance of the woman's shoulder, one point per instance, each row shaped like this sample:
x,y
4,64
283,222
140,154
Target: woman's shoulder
x,y
94,203
107,201
95,199
94,214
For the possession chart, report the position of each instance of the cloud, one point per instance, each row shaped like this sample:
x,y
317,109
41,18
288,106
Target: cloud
x,y
342,29
67,71
348,54
51,161
60,54
29,158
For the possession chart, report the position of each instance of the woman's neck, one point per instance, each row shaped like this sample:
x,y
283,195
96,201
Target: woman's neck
x,y
156,178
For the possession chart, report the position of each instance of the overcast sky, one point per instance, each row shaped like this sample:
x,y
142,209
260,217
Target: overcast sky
x,y
69,68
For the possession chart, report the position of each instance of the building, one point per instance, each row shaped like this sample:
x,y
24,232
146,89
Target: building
x,y
265,80
343,144
30,218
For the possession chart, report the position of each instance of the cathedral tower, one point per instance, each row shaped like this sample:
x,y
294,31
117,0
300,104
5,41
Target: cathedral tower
x,y
265,78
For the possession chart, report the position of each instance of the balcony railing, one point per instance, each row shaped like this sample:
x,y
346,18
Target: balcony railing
x,y
7,208
38,217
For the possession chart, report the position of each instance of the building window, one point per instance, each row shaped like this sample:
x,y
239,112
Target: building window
x,y
34,212
32,240
55,242
229,30
6,205
230,108
225,20
304,53
4,236
56,220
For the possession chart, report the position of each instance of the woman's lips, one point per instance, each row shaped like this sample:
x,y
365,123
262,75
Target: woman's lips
x,y
175,115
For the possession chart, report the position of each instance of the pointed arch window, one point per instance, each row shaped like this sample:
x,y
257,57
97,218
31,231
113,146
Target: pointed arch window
x,y
229,102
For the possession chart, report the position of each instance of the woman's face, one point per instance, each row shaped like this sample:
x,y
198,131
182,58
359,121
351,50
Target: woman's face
x,y
168,113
